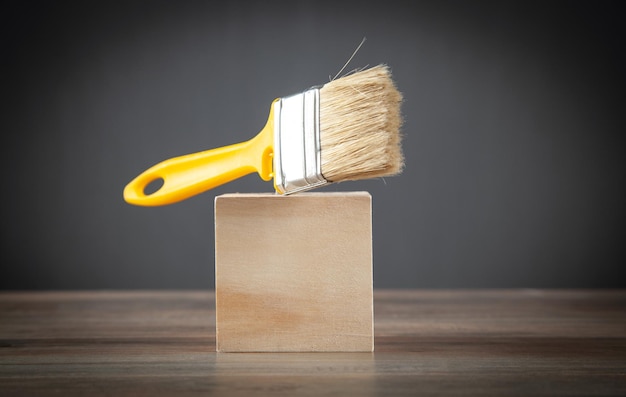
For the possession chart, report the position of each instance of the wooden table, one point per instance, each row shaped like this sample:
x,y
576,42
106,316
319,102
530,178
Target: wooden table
x,y
476,342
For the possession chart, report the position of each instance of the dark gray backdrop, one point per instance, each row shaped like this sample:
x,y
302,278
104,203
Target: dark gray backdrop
x,y
514,123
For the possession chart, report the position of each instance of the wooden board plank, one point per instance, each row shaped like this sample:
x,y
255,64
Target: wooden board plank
x,y
294,273
438,342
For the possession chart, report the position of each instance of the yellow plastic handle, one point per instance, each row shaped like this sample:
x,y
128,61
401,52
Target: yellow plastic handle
x,y
189,175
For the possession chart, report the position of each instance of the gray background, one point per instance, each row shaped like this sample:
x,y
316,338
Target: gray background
x,y
514,124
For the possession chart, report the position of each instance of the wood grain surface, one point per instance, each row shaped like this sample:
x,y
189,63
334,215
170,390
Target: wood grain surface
x,y
294,273
494,342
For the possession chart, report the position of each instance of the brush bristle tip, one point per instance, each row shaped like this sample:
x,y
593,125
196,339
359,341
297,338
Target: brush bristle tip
x,y
360,122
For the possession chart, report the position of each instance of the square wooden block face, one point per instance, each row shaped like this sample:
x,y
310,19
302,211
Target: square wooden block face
x,y
294,273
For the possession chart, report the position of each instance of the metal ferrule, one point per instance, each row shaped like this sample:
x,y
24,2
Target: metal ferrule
x,y
297,146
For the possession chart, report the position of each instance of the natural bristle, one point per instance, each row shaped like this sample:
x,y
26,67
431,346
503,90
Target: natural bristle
x,y
360,126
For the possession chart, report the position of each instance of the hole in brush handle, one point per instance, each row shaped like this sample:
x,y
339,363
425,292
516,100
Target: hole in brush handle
x,y
153,186
146,189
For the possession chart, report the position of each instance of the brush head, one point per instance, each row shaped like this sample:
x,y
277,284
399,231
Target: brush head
x,y
360,124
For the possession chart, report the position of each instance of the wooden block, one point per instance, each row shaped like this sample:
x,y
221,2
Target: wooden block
x,y
294,273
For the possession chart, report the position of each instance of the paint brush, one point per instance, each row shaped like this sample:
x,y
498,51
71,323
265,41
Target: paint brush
x,y
347,129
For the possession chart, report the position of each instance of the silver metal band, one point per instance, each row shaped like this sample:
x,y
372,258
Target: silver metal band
x,y
297,145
